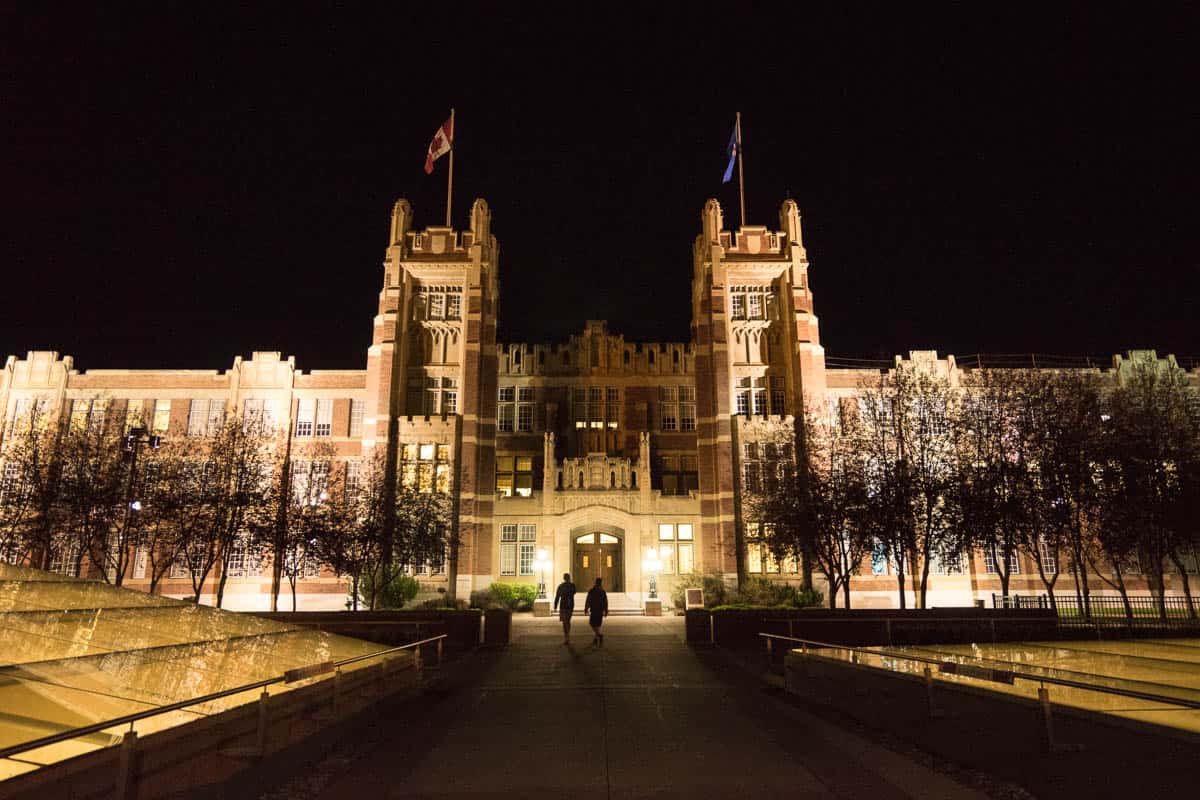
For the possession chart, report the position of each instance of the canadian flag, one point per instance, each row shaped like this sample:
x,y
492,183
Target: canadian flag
x,y
442,140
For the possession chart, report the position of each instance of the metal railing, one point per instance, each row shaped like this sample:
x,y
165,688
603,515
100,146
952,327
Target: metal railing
x,y
983,672
290,676
1142,610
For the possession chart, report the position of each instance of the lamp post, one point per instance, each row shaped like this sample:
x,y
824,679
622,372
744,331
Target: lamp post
x,y
652,565
541,562
134,439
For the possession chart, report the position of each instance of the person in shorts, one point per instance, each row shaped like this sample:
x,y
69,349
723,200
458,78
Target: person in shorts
x,y
564,603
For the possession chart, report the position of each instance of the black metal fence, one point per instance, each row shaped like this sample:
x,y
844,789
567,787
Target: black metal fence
x,y
1135,610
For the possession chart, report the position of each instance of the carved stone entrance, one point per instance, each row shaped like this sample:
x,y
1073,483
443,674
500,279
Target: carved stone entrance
x,y
598,555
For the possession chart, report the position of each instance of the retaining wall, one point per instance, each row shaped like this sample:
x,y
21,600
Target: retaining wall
x,y
1095,754
463,629
197,758
738,629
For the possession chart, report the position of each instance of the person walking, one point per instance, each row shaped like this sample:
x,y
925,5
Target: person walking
x,y
596,607
564,603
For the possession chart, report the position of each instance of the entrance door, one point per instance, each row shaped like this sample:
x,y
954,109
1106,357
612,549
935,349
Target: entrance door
x,y
598,555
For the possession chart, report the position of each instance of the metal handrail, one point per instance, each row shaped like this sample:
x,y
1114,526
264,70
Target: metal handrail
x,y
1027,676
96,727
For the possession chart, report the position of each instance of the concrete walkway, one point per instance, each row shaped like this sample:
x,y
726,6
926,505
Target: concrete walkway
x,y
644,716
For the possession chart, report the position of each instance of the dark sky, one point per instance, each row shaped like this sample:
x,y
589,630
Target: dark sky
x,y
182,185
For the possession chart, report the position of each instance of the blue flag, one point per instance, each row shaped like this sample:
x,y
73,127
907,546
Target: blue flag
x,y
732,149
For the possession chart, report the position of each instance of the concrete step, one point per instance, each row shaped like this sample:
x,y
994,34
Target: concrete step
x,y
619,604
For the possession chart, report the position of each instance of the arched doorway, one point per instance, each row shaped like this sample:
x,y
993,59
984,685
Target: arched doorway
x,y
598,555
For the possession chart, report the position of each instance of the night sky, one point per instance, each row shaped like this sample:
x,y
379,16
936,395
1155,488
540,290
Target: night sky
x,y
182,185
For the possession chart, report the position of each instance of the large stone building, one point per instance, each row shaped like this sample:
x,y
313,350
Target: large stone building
x,y
595,449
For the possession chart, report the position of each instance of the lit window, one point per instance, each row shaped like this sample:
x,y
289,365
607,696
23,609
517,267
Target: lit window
x,y
737,305
324,426
133,415
508,549
687,408
668,408
357,407
514,476
306,408
754,305
437,306
675,547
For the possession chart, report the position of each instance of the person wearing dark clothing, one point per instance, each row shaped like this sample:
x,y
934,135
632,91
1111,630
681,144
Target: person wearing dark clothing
x,y
564,603
596,608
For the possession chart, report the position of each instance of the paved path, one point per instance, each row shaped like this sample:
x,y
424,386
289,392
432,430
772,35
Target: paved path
x,y
643,717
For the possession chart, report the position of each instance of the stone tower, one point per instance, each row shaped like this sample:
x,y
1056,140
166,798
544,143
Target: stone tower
x,y
758,355
431,370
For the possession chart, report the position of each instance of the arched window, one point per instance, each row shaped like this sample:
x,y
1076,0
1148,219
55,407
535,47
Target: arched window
x,y
612,480
626,358
581,479
650,355
516,356
560,480
633,479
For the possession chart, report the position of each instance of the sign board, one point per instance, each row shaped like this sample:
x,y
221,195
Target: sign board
x,y
972,671
694,598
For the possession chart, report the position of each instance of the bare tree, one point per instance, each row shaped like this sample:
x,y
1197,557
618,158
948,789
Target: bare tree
x,y
1062,421
96,489
296,499
1149,441
30,474
816,502
994,469
356,539
174,504
908,418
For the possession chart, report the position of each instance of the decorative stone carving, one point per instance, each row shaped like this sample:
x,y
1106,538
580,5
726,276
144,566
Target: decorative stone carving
x,y
596,471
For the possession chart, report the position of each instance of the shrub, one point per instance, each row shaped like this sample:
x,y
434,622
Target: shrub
x,y
482,598
513,596
713,586
760,592
393,593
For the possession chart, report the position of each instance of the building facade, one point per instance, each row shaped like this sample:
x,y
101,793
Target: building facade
x,y
594,450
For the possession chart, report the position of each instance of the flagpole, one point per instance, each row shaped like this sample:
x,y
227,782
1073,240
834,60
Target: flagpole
x,y
450,173
741,181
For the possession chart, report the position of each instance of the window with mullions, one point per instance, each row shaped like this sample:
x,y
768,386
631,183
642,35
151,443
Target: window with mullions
x,y
515,409
425,467
357,407
1048,557
668,406
436,303
242,561
258,416
512,551
675,547
441,396
760,557
10,483
596,407
777,397
947,564
989,563
678,474
88,415
514,476
64,557
752,302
